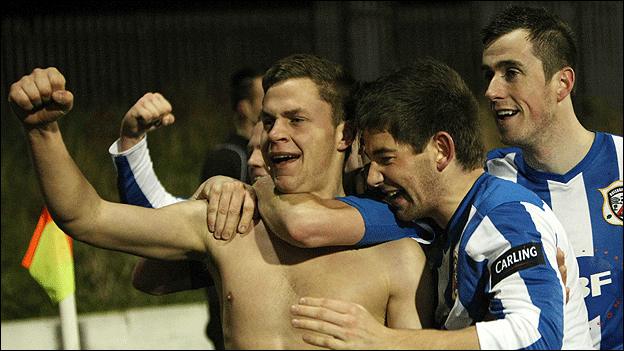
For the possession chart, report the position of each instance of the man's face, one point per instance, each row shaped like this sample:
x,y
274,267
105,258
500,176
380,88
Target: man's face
x,y
520,98
406,178
301,140
255,163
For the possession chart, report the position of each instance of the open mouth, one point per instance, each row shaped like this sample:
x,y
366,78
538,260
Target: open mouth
x,y
279,159
504,114
393,196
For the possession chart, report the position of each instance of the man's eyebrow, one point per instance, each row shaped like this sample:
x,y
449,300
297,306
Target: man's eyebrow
x,y
292,113
503,64
382,150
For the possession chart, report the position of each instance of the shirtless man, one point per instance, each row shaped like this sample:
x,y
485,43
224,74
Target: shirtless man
x,y
258,275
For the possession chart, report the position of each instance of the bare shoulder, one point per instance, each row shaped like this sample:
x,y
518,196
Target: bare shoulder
x,y
404,252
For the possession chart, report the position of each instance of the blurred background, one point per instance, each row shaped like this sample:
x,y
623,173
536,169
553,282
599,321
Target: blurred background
x,y
114,53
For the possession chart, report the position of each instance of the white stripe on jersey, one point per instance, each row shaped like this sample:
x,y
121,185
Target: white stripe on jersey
x,y
492,244
140,162
503,167
576,334
572,198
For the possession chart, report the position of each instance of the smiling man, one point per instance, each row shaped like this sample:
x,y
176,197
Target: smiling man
x,y
529,63
498,283
257,275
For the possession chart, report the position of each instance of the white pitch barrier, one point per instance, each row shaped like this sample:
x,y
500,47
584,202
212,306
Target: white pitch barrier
x,y
167,327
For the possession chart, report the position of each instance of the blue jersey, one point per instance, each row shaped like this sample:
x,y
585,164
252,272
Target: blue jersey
x,y
588,202
498,269
497,262
380,223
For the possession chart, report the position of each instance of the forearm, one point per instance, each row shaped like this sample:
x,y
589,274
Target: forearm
x,y
136,180
305,220
70,198
279,215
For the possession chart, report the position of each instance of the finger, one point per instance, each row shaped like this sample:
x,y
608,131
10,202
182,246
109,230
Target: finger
x,y
334,305
234,210
567,294
150,113
30,88
164,104
562,267
249,208
19,98
202,192
318,326
42,82
156,105
213,207
168,119
224,210
63,99
324,341
57,80
318,313
560,257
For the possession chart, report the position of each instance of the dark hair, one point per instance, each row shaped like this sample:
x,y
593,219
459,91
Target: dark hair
x,y
553,40
333,82
241,83
417,101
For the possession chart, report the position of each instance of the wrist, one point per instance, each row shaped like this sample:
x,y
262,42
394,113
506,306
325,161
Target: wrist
x,y
126,142
41,128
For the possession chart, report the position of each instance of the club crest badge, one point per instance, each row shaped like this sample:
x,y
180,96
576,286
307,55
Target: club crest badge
x,y
612,206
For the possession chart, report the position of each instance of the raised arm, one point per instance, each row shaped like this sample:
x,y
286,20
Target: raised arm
x,y
136,180
38,100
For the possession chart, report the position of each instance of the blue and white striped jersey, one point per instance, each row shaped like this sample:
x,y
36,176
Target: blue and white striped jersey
x,y
136,180
497,268
588,202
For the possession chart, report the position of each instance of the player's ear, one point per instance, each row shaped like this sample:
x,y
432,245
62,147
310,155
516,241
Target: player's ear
x,y
345,134
445,149
565,82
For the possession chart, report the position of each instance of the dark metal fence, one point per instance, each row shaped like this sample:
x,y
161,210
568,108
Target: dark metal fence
x,y
119,55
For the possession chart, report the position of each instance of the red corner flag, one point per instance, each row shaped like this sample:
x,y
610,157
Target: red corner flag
x,y
49,259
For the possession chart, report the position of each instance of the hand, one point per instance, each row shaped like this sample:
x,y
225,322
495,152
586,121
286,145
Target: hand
x,y
231,207
342,325
564,271
40,98
149,113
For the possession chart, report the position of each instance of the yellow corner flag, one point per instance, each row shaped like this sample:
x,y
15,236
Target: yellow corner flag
x,y
49,258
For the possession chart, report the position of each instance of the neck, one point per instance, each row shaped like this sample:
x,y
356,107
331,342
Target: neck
x,y
456,187
327,182
562,146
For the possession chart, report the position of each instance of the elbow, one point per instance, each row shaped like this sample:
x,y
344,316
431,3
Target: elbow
x,y
305,235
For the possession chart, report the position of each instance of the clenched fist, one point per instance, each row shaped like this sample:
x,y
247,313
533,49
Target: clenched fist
x,y
40,97
149,113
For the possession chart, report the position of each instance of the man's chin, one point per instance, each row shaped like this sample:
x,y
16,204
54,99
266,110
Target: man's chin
x,y
402,214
